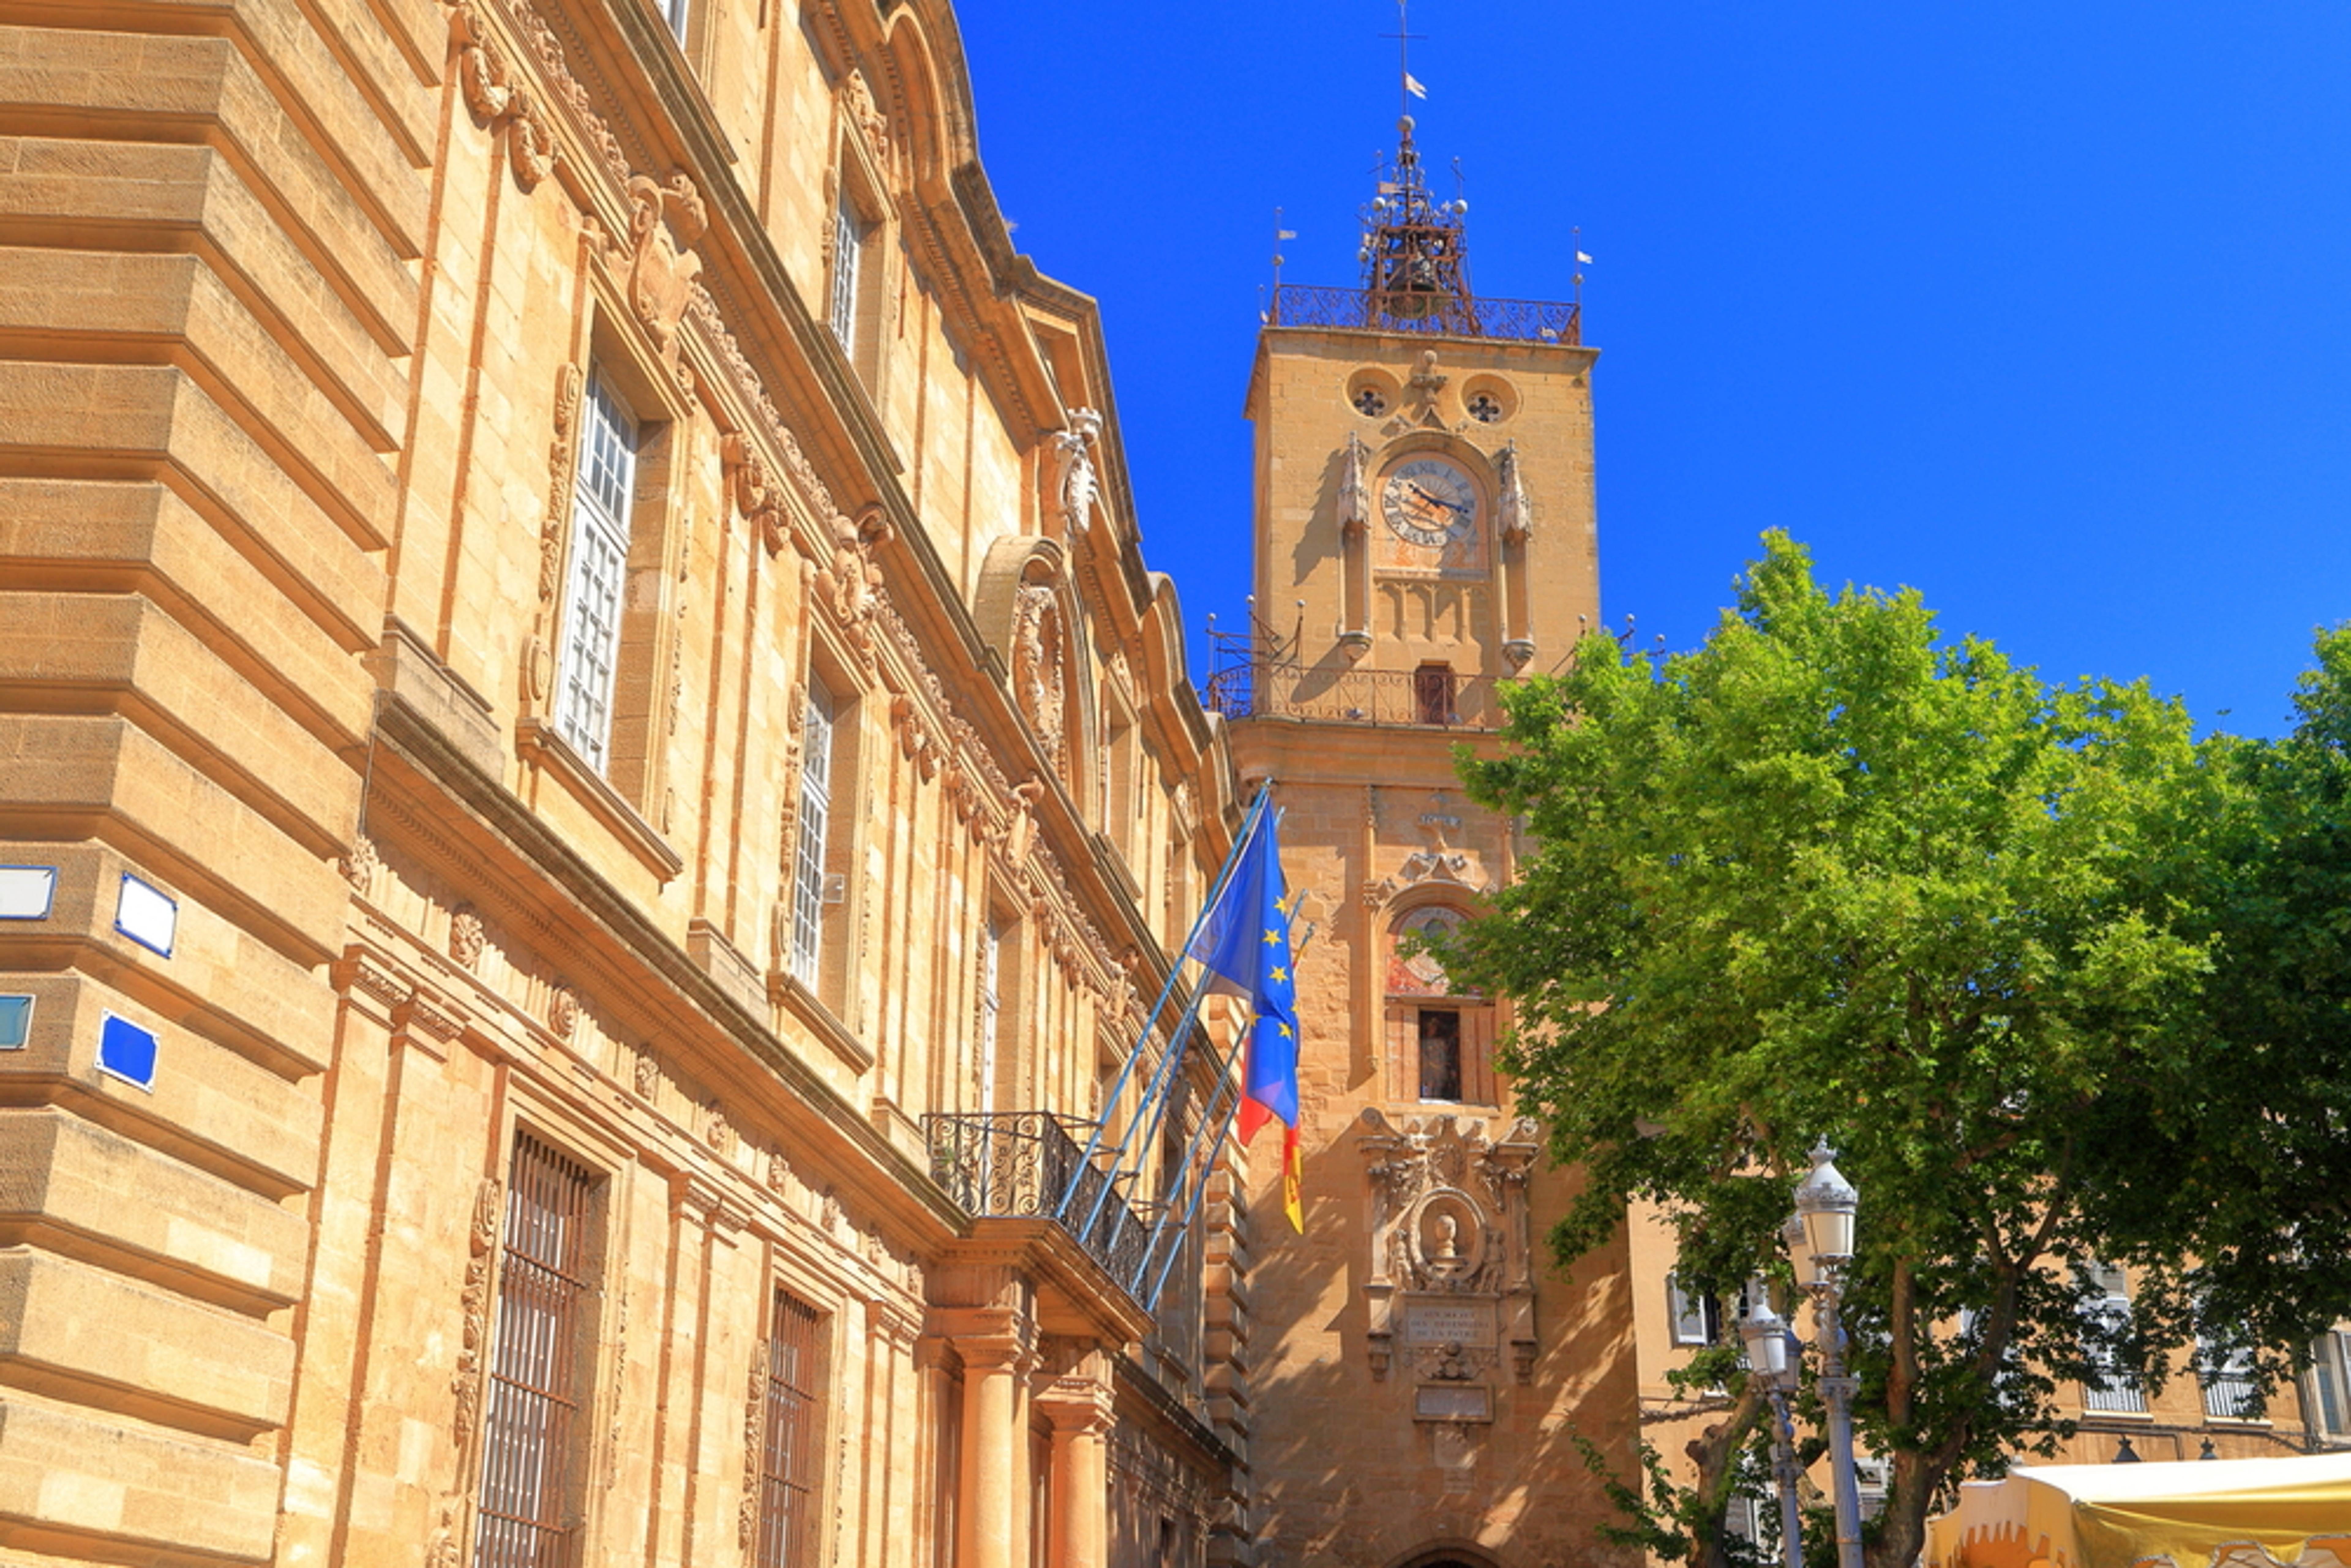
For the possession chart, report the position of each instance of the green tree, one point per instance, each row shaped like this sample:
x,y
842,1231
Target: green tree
x,y
1831,876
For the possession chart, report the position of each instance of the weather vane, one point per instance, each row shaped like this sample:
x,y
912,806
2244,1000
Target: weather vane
x,y
1408,86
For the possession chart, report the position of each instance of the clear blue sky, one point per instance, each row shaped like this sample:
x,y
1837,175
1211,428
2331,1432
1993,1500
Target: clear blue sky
x,y
2044,310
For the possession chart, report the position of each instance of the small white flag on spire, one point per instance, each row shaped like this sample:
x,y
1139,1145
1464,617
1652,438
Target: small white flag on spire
x,y
1285,234
1412,85
1582,258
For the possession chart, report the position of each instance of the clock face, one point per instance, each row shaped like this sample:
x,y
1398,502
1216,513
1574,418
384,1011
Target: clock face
x,y
1429,502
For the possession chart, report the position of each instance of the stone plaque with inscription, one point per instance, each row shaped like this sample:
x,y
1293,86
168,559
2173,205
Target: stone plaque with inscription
x,y
1448,1320
1453,1402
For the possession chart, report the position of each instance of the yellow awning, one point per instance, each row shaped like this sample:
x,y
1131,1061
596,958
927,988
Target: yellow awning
x,y
2203,1513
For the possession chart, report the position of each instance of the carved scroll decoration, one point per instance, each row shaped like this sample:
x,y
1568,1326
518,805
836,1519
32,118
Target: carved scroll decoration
x,y
498,102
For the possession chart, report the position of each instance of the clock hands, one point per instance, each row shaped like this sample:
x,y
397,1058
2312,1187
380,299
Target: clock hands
x,y
1437,500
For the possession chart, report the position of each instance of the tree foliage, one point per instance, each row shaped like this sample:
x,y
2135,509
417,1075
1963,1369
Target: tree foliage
x,y
2059,983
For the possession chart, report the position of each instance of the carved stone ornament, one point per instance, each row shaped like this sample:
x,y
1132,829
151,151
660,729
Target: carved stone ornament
x,y
754,1435
1354,493
758,495
1426,382
663,221
1076,486
851,587
467,936
1515,516
644,1074
562,466
481,1243
563,1012
498,102
866,115
1440,863
359,864
1038,678
1451,1284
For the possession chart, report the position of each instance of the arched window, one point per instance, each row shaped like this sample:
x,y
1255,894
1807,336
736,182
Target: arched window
x,y
1441,1037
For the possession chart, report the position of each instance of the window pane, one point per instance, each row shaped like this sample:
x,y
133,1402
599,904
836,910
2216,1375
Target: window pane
x,y
848,244
815,824
599,553
1440,1054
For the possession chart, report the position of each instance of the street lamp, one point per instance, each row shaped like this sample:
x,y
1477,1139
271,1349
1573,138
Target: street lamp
x,y
1825,1205
1772,1352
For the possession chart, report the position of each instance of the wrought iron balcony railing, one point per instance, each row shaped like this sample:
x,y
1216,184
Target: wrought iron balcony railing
x,y
1432,697
1418,311
1022,1164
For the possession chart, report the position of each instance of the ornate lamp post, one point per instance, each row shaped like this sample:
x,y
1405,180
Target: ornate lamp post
x,y
1825,1204
1771,1360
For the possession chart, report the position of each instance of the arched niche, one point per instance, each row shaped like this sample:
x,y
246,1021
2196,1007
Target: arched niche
x,y
1029,612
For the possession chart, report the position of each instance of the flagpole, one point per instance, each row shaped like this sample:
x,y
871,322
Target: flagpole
x,y
1249,821
1198,1190
1224,1080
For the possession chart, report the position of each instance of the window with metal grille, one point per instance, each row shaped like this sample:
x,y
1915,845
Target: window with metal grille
x,y
2227,1378
599,554
815,826
534,1414
847,248
791,1457
1440,1053
2114,1387
1432,694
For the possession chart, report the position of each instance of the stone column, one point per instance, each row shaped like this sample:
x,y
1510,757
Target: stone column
x,y
1078,1408
986,1535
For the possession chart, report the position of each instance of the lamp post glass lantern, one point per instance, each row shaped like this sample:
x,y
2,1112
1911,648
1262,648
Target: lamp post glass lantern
x,y
1821,1242
1772,1356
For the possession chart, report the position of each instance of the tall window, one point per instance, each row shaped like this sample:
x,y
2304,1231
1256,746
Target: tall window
x,y
1440,1053
673,11
815,826
2330,1383
599,553
991,1010
848,255
2112,1387
1432,694
791,1461
533,1419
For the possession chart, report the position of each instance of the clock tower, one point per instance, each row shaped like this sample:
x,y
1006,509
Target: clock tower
x,y
1424,531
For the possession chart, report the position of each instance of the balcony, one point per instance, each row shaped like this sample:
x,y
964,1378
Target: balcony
x,y
1427,314
1022,1165
1430,697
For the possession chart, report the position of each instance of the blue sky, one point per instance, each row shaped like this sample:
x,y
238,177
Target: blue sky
x,y
2043,309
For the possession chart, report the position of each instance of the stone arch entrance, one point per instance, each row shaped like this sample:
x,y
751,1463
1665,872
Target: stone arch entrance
x,y
1445,1554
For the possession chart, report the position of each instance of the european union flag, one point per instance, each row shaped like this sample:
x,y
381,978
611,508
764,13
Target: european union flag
x,y
1244,943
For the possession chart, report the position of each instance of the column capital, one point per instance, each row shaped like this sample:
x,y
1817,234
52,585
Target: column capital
x,y
1076,1405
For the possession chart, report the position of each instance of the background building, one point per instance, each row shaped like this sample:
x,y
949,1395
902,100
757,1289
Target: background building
x,y
591,777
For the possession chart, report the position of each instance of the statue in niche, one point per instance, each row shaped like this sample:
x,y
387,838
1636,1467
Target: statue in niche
x,y
1076,486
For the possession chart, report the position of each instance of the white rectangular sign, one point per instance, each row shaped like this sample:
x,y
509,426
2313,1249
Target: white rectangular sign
x,y
25,891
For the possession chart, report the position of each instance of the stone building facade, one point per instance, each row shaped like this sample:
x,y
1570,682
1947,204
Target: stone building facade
x,y
1426,526
591,783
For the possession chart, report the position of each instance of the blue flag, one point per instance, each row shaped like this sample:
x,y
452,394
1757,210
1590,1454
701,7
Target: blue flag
x,y
1244,943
